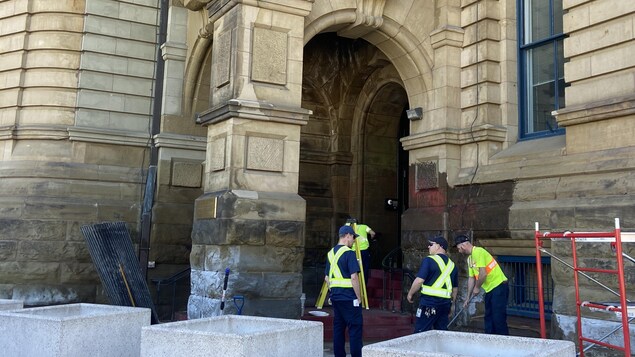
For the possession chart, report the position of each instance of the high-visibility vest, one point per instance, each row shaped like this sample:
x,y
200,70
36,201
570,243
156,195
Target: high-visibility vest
x,y
362,232
437,288
336,280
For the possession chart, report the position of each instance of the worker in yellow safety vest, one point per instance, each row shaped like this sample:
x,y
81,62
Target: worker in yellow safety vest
x,y
484,272
363,231
437,280
342,276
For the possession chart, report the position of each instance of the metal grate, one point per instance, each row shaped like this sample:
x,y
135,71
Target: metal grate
x,y
523,285
112,253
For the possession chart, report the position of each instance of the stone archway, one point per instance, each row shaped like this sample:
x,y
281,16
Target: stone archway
x,y
349,149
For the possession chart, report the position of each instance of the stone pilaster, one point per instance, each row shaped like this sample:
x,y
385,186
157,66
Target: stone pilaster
x,y
250,218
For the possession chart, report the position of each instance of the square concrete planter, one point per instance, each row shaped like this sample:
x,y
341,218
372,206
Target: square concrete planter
x,y
450,343
6,304
234,336
73,330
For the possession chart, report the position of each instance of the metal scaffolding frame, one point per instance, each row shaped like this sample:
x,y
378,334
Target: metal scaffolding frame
x,y
615,238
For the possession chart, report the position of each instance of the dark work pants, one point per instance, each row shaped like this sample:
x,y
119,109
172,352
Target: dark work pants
x,y
345,315
437,318
496,310
366,263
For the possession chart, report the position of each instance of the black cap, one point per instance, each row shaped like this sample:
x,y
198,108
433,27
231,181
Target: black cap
x,y
440,240
460,239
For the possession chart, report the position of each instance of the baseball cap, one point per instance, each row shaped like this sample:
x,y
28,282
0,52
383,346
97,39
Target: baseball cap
x,y
460,239
440,240
346,230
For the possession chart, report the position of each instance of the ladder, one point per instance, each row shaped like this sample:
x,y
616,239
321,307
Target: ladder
x,y
621,310
362,282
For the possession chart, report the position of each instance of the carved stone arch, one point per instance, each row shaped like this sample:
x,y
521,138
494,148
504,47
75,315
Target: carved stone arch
x,y
200,54
411,57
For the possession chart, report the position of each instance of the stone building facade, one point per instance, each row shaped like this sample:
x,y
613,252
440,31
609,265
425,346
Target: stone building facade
x,y
279,119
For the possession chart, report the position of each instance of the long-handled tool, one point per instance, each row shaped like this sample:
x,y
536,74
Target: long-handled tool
x,y
456,315
222,300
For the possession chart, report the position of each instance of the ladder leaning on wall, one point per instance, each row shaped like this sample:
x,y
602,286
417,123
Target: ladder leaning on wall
x,y
621,310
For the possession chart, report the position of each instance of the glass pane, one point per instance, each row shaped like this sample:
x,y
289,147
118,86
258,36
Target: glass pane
x,y
561,84
541,89
544,98
542,63
557,17
537,20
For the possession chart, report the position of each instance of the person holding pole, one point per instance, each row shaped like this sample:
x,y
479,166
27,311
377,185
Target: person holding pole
x,y
437,281
363,231
342,276
485,272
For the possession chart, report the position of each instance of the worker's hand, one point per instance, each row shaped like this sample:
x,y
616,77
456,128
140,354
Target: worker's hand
x,y
410,300
451,313
476,291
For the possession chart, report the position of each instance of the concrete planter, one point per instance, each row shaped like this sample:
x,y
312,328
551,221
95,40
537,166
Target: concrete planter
x,y
449,343
6,304
234,336
73,330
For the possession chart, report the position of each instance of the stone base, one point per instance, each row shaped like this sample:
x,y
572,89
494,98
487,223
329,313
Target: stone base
x,y
450,343
73,330
233,336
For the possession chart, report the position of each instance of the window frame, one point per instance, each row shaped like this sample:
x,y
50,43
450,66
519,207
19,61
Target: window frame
x,y
523,71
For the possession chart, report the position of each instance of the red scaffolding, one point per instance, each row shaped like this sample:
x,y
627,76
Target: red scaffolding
x,y
621,309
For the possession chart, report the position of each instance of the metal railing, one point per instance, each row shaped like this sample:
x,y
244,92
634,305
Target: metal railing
x,y
171,282
523,285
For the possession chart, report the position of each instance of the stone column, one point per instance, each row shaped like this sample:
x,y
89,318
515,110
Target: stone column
x,y
250,218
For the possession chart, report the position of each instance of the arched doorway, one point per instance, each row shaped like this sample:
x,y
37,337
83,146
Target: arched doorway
x,y
351,159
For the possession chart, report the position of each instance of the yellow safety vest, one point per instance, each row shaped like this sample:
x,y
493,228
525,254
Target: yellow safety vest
x,y
362,232
336,280
437,289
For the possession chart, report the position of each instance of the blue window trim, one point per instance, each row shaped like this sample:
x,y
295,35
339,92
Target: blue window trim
x,y
522,65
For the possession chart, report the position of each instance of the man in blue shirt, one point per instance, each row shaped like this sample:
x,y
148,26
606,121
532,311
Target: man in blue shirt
x,y
341,275
437,281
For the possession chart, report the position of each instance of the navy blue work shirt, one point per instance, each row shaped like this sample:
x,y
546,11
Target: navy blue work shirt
x,y
429,272
348,265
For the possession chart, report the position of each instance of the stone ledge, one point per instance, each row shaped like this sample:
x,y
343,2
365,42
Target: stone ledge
x,y
595,111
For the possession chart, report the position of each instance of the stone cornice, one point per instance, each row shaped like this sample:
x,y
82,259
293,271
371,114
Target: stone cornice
x,y
173,51
447,36
254,110
176,141
33,132
450,136
108,136
596,111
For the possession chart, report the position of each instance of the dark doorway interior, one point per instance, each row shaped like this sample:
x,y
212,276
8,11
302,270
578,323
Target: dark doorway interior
x,y
351,159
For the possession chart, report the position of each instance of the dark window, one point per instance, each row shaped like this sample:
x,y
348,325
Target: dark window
x,y
541,66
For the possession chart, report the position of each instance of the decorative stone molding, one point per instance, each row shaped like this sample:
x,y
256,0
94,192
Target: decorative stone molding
x,y
173,51
195,5
247,109
368,17
447,36
33,132
175,141
270,52
595,111
448,136
217,8
108,136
